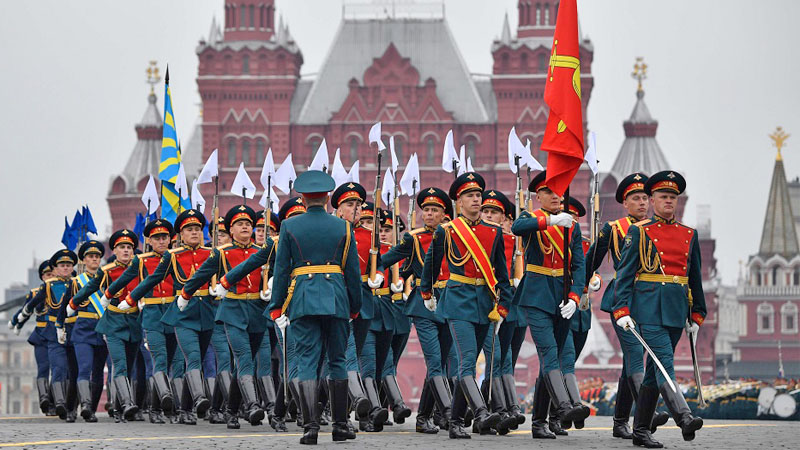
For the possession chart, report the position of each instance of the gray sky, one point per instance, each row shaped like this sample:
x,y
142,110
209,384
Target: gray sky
x,y
73,86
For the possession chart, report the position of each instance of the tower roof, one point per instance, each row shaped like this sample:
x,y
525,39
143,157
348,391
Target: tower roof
x,y
779,235
429,45
146,154
640,151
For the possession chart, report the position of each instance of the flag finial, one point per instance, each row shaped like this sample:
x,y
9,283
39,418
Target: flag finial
x,y
639,72
153,76
778,139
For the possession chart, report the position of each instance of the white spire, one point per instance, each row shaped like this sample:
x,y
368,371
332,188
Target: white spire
x,y
214,33
505,36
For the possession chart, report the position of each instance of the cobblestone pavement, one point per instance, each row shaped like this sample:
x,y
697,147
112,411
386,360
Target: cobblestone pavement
x,y
50,433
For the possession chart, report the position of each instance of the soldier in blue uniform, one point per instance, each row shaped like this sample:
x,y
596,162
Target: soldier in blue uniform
x,y
89,347
38,341
478,292
317,288
630,193
240,310
51,296
153,303
432,332
659,291
121,328
541,296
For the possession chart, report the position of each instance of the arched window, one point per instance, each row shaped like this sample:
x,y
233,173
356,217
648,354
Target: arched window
x,y
504,61
538,13
246,153
398,148
260,145
766,314
430,152
789,318
471,144
523,63
775,275
261,15
252,16
796,278
546,14
246,64
353,149
242,16
314,144
231,153
542,63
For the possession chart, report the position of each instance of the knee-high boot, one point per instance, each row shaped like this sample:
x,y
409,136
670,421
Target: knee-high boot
x,y
622,410
377,414
337,391
457,412
44,395
541,406
426,403
680,411
484,420
571,383
643,417
122,387
252,409
310,410
85,395
194,379
659,417
399,409
443,398
59,398
510,390
358,398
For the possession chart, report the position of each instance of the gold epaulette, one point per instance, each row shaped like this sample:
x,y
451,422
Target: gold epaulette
x,y
640,223
224,246
274,239
173,251
416,231
446,225
145,255
493,223
108,266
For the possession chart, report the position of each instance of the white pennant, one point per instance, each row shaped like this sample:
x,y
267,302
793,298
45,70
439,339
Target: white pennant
x,y
274,200
591,153
410,175
449,153
353,174
198,202
243,182
515,148
320,161
268,170
469,164
530,161
395,162
375,136
462,166
285,175
338,172
150,196
388,188
180,182
210,169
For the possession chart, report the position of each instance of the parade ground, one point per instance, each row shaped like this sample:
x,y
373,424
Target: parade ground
x,y
41,433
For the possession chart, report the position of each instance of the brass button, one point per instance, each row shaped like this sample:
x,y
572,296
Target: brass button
x,y
674,278
655,240
663,284
659,225
553,272
327,275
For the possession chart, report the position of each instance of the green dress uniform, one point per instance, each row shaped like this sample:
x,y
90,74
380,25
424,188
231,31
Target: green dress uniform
x,y
478,285
240,311
317,287
540,295
659,284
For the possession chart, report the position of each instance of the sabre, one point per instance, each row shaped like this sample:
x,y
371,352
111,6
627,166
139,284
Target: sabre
x,y
285,369
412,223
491,364
655,359
697,381
215,227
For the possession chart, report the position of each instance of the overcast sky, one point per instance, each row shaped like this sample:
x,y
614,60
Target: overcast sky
x,y
72,87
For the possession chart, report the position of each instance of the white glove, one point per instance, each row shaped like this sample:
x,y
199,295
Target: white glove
x,y
562,219
141,303
397,287
405,297
431,304
595,282
692,328
104,301
265,295
123,306
377,282
497,325
219,291
21,317
182,303
70,311
11,325
282,322
62,335
17,330
568,309
625,322
516,282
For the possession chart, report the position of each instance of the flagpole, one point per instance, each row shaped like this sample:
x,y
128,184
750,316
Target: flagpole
x,y
215,213
267,217
375,247
565,253
412,223
456,209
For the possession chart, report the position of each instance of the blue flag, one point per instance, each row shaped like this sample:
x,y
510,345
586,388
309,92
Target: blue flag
x,y
138,227
171,202
88,220
66,237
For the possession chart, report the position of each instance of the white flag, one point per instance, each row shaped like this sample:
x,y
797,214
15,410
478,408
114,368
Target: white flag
x,y
469,164
320,161
180,182
353,174
530,161
462,166
268,170
591,153
515,148
274,200
395,162
242,183
409,182
285,175
210,169
338,172
198,202
150,196
388,188
375,136
449,154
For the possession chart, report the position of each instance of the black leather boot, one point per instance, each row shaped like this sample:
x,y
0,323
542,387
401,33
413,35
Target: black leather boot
x,y
163,391
72,400
85,395
294,388
484,420
268,396
444,400
234,401
500,405
680,411
554,424
337,392
220,401
200,404
310,409
178,414
400,412
564,409
59,398
426,402
622,410
155,413
278,420
659,417
187,410
44,395
571,383
510,390
323,397
541,406
122,387
377,414
97,392
643,416
459,408
361,403
253,410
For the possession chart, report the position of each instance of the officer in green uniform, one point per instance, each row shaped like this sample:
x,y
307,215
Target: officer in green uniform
x,y
90,349
240,310
541,295
317,288
478,293
659,291
630,193
432,332
219,342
